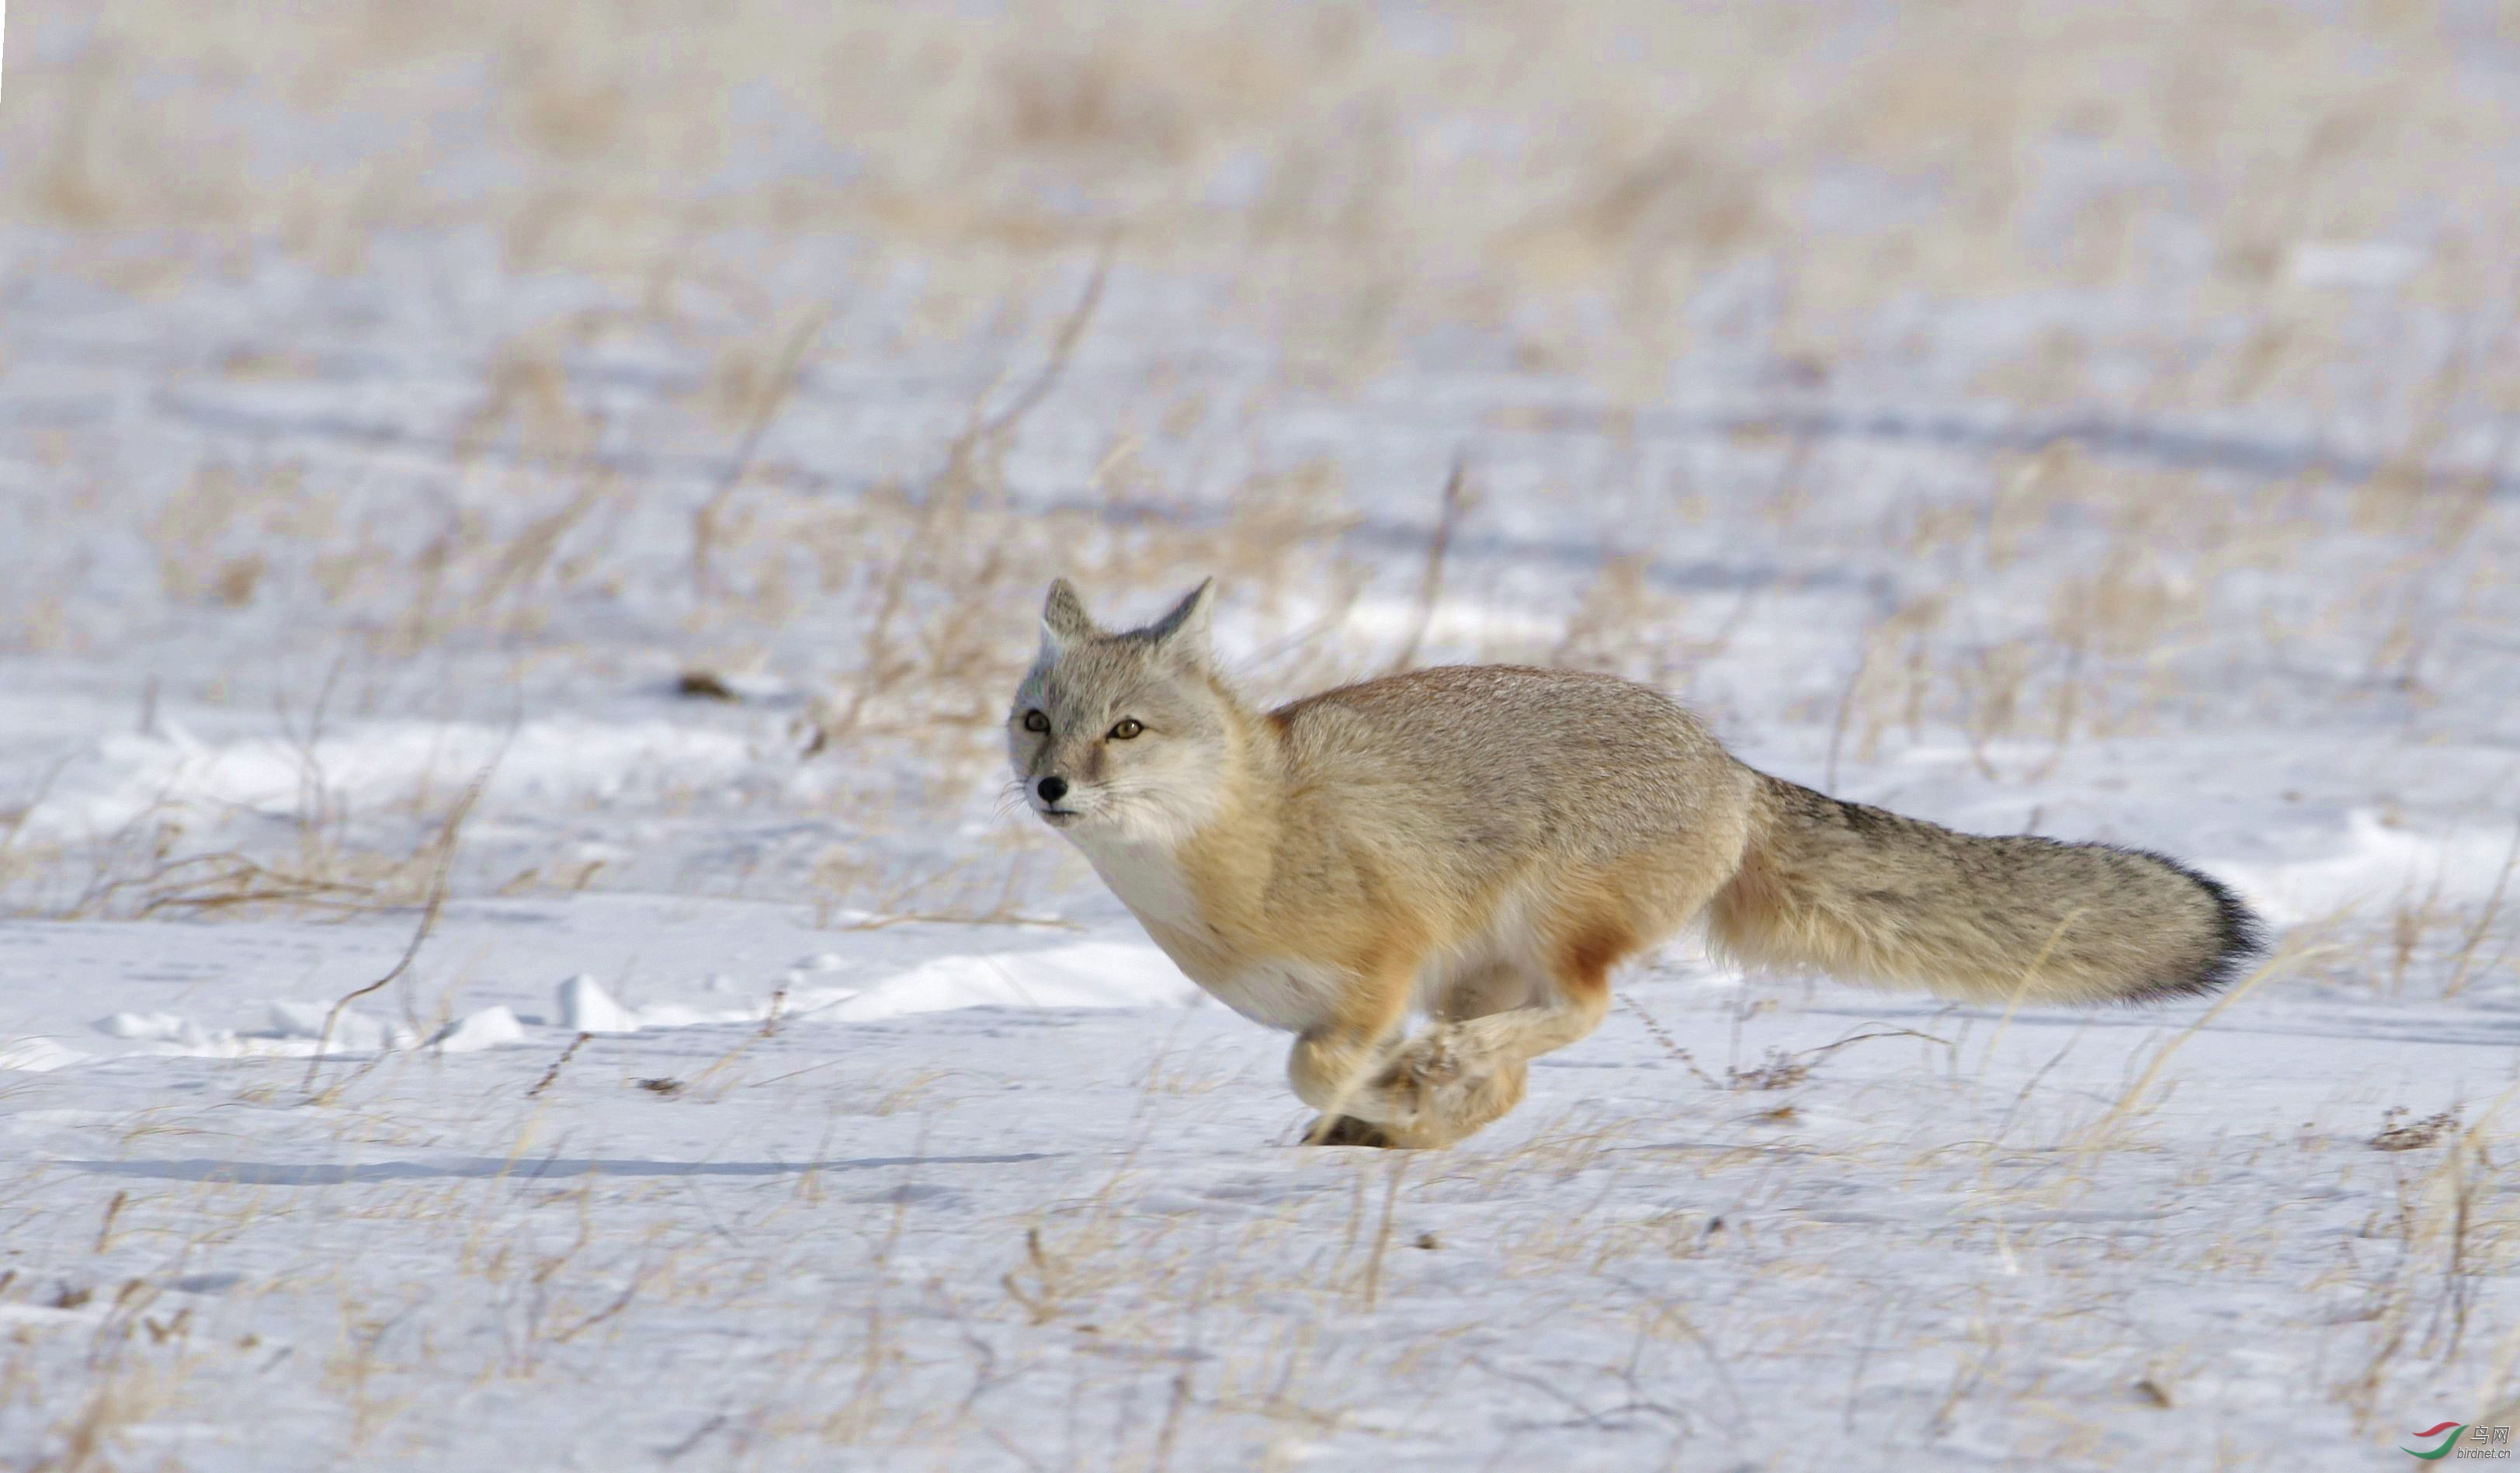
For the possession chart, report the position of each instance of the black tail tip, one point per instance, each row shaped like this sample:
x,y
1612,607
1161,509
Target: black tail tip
x,y
2240,938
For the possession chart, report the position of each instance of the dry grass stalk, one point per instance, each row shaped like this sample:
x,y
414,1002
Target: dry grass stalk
x,y
443,856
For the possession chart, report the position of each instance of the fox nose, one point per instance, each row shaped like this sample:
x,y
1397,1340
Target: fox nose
x,y
1053,789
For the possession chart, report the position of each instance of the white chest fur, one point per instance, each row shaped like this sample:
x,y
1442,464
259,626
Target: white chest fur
x,y
1276,990
1148,879
1281,993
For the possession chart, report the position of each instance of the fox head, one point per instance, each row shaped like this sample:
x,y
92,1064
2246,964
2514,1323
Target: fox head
x,y
1121,735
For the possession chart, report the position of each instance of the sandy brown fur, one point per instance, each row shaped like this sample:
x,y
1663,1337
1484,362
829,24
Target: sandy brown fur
x,y
1870,895
1485,845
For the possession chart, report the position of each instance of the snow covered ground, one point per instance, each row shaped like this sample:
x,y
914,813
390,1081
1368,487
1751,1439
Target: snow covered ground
x,y
568,575
751,1193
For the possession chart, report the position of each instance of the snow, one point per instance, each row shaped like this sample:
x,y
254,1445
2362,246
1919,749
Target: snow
x,y
475,1032
1094,974
123,777
36,1055
586,1008
2378,863
1040,1214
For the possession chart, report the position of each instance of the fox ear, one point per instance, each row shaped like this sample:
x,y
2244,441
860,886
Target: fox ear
x,y
1184,631
1063,620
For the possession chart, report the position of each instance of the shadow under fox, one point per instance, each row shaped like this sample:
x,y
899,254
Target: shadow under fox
x,y
1485,844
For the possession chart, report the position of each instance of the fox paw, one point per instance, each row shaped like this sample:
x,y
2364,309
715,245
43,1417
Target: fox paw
x,y
1427,1062
1347,1131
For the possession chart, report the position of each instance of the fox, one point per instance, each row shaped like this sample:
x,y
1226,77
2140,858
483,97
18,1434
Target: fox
x,y
1484,846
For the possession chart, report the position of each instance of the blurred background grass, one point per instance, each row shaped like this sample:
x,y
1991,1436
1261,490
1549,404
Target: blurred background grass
x,y
1886,378
1583,181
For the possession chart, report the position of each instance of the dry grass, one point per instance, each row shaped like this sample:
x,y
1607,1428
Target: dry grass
x,y
1501,167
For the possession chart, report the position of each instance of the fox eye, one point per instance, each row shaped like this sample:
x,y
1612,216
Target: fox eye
x,y
1127,729
1035,721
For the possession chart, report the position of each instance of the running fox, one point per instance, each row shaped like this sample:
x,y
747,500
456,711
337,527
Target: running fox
x,y
1484,844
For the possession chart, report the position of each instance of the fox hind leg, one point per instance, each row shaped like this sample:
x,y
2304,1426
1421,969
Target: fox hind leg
x,y
1413,1112
1378,1089
1465,1073
1467,1102
1472,1067
1494,987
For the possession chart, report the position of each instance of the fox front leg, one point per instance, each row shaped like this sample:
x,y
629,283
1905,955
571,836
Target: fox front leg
x,y
1347,1131
1333,1069
1337,1062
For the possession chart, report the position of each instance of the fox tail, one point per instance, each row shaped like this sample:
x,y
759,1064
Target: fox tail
x,y
1870,895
